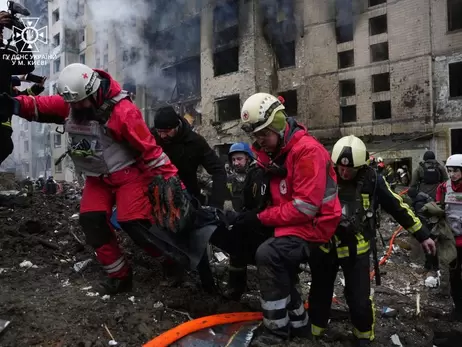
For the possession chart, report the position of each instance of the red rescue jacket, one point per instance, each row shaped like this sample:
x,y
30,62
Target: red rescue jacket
x,y
125,123
304,203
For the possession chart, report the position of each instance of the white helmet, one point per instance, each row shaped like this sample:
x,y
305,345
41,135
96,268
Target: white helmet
x,y
76,82
454,160
379,160
399,171
258,111
350,151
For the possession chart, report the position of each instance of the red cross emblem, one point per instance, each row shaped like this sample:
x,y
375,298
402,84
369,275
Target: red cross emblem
x,y
85,75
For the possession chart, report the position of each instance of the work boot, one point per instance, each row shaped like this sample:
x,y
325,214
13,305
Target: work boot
x,y
172,273
113,286
237,284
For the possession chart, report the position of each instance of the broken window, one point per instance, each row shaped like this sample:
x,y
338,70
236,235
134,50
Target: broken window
x,y
348,114
376,2
228,108
226,61
55,15
382,110
346,59
379,52
347,88
280,30
290,102
191,111
454,15
378,25
344,20
285,54
381,82
56,40
455,80
226,37
456,141
187,76
344,33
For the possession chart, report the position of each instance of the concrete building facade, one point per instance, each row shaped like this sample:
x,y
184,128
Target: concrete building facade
x,y
374,68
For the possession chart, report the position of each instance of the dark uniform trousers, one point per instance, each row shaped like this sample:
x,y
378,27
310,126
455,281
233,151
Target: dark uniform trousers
x,y
278,260
324,266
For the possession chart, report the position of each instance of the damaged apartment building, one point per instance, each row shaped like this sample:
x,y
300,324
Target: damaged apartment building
x,y
389,72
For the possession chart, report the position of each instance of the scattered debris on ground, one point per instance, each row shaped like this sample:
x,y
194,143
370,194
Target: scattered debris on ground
x,y
48,278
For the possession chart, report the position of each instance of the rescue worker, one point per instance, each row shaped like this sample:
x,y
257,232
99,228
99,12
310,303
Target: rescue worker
x,y
386,170
51,187
188,150
449,194
112,146
254,195
304,211
40,183
428,175
360,189
240,157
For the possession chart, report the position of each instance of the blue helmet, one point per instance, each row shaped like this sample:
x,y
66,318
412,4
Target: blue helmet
x,y
241,147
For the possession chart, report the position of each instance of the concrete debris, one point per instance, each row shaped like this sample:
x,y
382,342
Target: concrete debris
x,y
75,216
432,282
92,294
81,265
395,340
132,299
27,264
106,297
4,324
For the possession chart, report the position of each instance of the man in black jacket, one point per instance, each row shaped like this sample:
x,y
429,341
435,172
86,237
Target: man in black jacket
x,y
187,150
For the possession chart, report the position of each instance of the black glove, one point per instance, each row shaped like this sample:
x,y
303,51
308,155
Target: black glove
x,y
8,107
248,219
36,89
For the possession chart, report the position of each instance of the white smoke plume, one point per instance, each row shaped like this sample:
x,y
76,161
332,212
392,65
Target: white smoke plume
x,y
126,21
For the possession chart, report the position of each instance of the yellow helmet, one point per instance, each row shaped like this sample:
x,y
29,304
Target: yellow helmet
x,y
350,151
258,111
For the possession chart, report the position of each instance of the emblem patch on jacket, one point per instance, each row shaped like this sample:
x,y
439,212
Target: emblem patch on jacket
x,y
283,187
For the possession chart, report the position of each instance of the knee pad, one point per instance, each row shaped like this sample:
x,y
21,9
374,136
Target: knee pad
x,y
96,228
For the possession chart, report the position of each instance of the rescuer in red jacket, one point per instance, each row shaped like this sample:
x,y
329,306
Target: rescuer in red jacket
x,y
113,147
304,212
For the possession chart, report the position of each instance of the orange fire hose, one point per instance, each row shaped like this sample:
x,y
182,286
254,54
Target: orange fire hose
x,y
180,331
172,335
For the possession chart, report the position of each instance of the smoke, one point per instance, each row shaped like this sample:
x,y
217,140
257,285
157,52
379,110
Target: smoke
x,y
279,23
150,35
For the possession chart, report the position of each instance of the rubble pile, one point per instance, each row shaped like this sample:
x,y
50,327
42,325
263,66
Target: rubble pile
x,y
49,277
